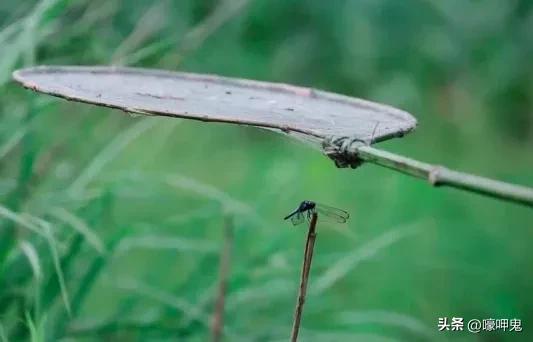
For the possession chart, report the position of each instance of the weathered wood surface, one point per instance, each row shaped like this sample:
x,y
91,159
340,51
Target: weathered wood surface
x,y
314,113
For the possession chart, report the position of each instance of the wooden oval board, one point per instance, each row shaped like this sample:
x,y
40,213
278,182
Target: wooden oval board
x,y
316,114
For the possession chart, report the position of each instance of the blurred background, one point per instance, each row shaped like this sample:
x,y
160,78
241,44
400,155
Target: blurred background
x,y
111,225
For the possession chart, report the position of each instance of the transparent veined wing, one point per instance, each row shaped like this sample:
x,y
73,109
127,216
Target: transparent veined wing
x,y
297,218
334,214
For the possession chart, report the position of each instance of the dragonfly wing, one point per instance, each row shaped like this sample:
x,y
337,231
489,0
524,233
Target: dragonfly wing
x,y
335,214
297,218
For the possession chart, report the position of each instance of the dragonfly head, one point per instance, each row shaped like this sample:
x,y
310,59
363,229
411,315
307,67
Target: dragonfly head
x,y
306,205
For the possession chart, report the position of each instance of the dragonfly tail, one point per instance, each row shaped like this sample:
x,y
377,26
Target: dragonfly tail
x,y
290,215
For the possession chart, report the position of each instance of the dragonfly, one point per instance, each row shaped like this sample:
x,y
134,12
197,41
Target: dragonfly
x,y
307,208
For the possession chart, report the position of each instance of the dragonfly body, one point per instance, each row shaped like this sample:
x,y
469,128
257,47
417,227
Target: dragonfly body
x,y
307,208
304,207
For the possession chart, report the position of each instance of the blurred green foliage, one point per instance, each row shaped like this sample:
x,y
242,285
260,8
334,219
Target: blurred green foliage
x,y
111,225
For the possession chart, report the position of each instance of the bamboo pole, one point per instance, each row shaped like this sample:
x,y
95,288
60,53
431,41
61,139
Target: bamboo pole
x,y
438,175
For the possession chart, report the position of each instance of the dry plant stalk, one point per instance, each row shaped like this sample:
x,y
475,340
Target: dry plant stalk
x,y
304,278
217,326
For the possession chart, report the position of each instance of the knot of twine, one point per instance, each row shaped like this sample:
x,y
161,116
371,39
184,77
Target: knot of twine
x,y
343,151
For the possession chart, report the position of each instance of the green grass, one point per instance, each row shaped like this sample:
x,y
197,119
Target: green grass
x,y
110,225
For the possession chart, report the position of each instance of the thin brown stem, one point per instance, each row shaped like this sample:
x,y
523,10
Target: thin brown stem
x,y
217,326
306,268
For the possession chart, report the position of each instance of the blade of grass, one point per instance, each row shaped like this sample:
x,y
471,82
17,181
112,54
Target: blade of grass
x,y
314,335
13,141
3,336
206,298
109,153
31,30
252,294
15,199
79,226
195,38
165,130
100,211
42,228
87,282
57,263
166,242
8,31
203,212
147,26
14,272
103,215
345,265
228,203
33,259
96,12
170,301
8,60
354,318
21,219
111,328
164,298
153,49
36,329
